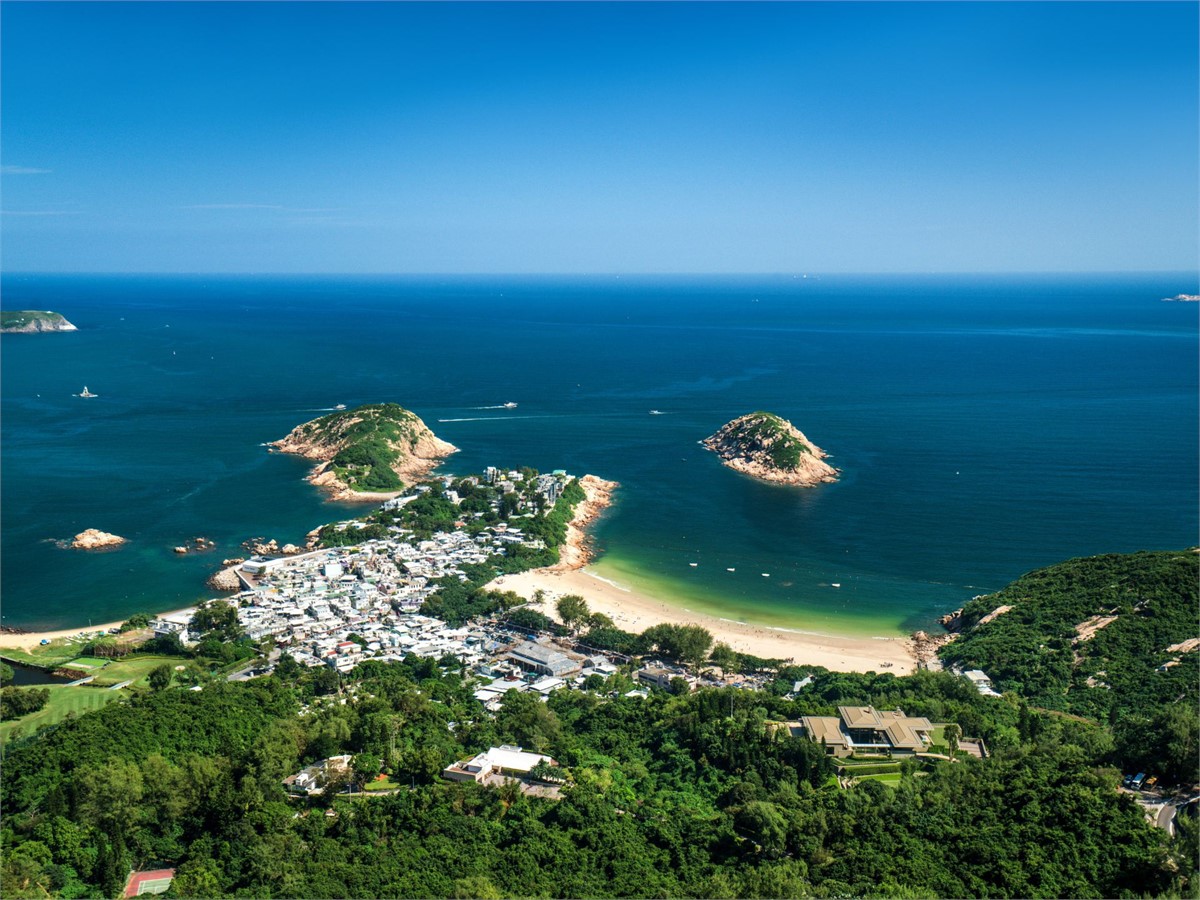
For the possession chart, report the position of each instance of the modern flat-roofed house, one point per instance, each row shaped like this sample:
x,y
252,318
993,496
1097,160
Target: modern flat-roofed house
x,y
544,660
502,760
982,683
864,729
313,779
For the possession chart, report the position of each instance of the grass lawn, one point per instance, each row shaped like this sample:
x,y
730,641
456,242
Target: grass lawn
x,y
386,784
135,669
63,700
90,663
891,779
860,761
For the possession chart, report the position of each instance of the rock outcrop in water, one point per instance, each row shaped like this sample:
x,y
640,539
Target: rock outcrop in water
x,y
368,451
765,446
94,539
33,321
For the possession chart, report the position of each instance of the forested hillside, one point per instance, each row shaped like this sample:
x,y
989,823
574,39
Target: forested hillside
x,y
672,796
1112,638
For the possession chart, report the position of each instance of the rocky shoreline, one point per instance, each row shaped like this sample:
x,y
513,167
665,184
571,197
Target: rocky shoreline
x,y
579,550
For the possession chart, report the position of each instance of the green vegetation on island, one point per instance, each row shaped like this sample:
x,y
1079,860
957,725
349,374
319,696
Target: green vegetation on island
x,y
378,447
769,447
32,320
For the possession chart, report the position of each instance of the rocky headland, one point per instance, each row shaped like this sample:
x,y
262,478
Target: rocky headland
x,y
577,551
368,453
768,447
94,539
33,321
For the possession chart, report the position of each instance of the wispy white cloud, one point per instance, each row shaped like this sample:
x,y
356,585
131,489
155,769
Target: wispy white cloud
x,y
39,212
22,170
234,206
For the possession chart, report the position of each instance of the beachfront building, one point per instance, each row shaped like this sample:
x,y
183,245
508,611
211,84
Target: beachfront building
x,y
864,729
543,660
496,762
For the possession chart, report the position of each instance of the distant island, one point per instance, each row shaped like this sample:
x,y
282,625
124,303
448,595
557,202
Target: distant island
x,y
33,321
766,446
368,451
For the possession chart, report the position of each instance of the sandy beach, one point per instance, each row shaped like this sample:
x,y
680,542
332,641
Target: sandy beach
x,y
33,639
633,611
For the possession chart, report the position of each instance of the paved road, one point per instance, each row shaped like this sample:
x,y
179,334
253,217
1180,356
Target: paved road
x,y
1166,817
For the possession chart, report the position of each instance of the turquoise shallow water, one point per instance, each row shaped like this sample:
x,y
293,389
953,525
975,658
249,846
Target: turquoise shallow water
x,y
985,426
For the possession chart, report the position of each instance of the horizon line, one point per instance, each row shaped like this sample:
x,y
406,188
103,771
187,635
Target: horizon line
x,y
799,274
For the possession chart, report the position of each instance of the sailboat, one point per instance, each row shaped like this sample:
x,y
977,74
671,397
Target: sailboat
x,y
87,393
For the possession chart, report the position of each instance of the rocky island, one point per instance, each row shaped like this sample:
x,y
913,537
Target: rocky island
x,y
368,452
766,446
33,321
94,539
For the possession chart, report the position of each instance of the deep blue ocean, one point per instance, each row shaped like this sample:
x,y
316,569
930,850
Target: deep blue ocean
x,y
985,426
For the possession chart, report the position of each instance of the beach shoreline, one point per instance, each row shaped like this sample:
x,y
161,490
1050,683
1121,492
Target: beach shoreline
x,y
636,611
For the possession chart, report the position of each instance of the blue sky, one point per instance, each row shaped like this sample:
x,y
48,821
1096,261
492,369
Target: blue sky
x,y
610,137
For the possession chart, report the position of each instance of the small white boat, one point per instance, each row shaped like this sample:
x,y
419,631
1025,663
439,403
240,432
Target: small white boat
x,y
510,405
340,406
86,393
656,412
693,565
766,574
836,584
731,570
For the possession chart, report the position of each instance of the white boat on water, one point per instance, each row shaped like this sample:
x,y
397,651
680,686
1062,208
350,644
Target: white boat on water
x,y
693,565
510,405
340,406
836,584
731,570
656,412
86,393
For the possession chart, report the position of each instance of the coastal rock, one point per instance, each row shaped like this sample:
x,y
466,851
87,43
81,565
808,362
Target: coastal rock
x,y
366,453
578,549
94,539
289,550
924,649
181,550
768,447
225,580
261,547
952,622
233,561
33,321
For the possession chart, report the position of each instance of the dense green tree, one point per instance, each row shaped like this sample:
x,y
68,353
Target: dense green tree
x,y
572,609
160,677
16,702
